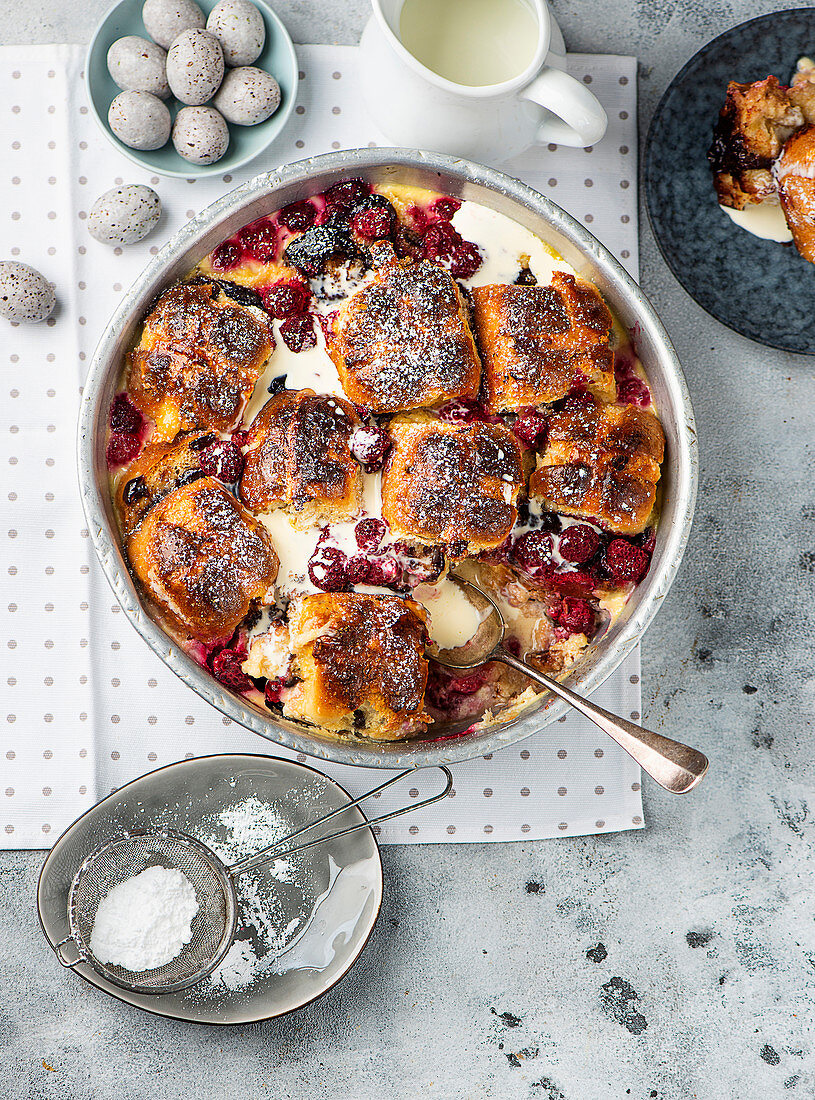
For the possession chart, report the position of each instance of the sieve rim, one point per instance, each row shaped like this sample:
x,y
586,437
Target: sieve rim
x,y
86,955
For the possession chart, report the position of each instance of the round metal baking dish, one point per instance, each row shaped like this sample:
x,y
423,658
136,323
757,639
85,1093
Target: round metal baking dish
x,y
508,196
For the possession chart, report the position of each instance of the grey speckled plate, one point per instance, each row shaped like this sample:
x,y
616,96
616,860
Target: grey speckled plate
x,y
761,289
330,900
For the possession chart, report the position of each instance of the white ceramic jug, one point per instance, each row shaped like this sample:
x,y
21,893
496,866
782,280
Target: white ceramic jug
x,y
415,107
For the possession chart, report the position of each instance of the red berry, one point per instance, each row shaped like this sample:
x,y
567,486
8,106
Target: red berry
x,y
576,615
298,216
226,667
358,569
372,225
440,241
344,197
418,217
572,582
369,534
327,568
298,332
260,240
286,299
578,543
532,552
465,412
122,448
465,260
222,460
274,690
626,562
124,416
240,437
385,571
530,427
445,208
633,391
369,445
225,256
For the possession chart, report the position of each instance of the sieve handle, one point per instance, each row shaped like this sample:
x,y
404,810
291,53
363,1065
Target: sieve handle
x,y
60,953
266,855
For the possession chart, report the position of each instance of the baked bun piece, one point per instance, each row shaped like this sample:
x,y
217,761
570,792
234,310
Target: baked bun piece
x,y
361,664
451,483
160,468
753,125
795,175
403,341
601,461
203,559
539,342
298,458
199,357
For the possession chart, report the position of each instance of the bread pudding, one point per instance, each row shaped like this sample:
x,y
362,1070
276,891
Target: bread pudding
x,y
345,401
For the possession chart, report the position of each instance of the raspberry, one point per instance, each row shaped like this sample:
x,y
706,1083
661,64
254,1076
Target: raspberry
x,y
445,208
418,217
530,427
297,216
124,416
372,225
240,437
465,260
369,446
222,460
385,571
632,391
298,332
578,543
626,562
274,691
648,540
226,668
358,569
533,551
440,241
260,240
465,412
225,256
575,615
572,582
327,569
498,553
344,197
122,448
286,299
369,534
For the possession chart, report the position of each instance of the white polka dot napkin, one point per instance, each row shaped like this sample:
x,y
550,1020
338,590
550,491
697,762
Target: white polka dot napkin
x,y
86,707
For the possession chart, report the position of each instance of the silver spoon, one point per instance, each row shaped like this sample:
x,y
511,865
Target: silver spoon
x,y
676,767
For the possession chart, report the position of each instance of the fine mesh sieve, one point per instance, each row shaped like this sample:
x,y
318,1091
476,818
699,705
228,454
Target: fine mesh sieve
x,y
215,923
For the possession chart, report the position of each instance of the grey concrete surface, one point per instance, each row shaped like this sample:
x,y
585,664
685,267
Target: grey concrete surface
x,y
674,963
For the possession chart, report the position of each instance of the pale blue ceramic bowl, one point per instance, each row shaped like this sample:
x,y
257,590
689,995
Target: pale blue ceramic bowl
x,y
245,142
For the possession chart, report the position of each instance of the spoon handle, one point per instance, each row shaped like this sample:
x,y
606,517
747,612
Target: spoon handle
x,y
675,766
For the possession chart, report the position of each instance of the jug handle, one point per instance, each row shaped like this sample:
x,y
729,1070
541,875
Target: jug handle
x,y
580,119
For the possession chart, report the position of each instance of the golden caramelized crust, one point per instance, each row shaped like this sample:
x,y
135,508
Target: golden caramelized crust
x,y
451,483
403,340
601,461
198,359
203,559
299,458
795,173
753,125
160,468
361,663
538,342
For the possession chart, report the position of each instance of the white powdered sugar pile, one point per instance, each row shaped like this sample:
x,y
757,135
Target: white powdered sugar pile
x,y
144,922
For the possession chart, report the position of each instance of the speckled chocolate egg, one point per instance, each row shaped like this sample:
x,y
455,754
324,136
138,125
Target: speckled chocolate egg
x,y
139,66
195,67
25,295
239,27
124,215
164,20
140,120
200,134
247,96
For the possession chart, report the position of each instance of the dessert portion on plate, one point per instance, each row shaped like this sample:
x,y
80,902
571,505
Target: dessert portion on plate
x,y
763,158
345,401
